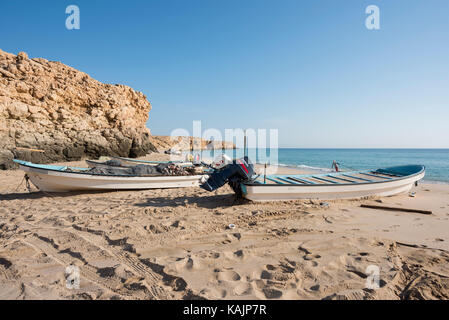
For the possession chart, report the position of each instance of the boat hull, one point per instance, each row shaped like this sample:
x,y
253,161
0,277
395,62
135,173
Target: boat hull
x,y
58,181
262,193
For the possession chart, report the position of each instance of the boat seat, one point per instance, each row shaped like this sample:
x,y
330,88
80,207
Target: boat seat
x,y
326,180
289,182
276,181
363,179
301,180
374,175
340,178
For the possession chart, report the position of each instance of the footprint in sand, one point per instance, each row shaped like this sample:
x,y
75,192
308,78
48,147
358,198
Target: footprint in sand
x,y
228,276
213,293
270,267
283,273
266,275
363,254
175,224
314,263
187,263
271,293
239,254
258,284
214,255
311,257
315,287
243,289
221,293
238,236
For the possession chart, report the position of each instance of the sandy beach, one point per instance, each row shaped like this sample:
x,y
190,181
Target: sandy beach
x,y
177,244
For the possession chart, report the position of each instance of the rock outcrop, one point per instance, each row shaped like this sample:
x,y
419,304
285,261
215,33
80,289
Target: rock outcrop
x,y
64,112
163,143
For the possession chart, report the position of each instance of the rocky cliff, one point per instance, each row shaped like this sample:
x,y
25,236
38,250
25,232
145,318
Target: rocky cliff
x,y
64,112
163,143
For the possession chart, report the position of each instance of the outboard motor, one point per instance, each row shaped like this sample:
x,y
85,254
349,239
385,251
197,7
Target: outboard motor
x,y
236,172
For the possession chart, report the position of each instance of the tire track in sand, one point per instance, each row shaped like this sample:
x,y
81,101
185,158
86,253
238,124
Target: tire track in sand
x,y
99,239
112,284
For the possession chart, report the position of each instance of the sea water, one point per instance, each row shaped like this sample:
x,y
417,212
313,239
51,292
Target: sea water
x,y
435,160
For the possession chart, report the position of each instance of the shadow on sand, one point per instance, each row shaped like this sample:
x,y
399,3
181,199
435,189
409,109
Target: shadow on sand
x,y
41,194
208,202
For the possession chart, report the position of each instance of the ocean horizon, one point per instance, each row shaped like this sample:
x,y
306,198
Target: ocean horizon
x,y
436,160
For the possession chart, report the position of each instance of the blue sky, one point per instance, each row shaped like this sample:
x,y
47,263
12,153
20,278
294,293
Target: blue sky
x,y
308,68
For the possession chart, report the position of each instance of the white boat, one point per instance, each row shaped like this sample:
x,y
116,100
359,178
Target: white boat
x,y
62,179
339,185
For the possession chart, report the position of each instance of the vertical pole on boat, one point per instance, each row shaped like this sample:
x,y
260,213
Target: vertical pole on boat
x,y
244,144
191,149
265,174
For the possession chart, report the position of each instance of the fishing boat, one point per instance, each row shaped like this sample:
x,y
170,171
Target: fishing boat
x,y
337,185
53,178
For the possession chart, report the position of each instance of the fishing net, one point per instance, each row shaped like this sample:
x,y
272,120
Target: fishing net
x,y
162,169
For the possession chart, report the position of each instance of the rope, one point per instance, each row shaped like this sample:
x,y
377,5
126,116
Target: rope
x,y
29,187
25,178
19,184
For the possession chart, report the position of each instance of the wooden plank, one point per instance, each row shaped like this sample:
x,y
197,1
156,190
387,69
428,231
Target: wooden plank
x,y
302,180
347,175
342,179
289,182
298,180
374,206
387,174
373,175
278,182
326,180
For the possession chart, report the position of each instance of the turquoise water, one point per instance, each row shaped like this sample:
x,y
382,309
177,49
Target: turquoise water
x,y
435,160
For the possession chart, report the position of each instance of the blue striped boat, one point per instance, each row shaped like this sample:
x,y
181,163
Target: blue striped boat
x,y
336,185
